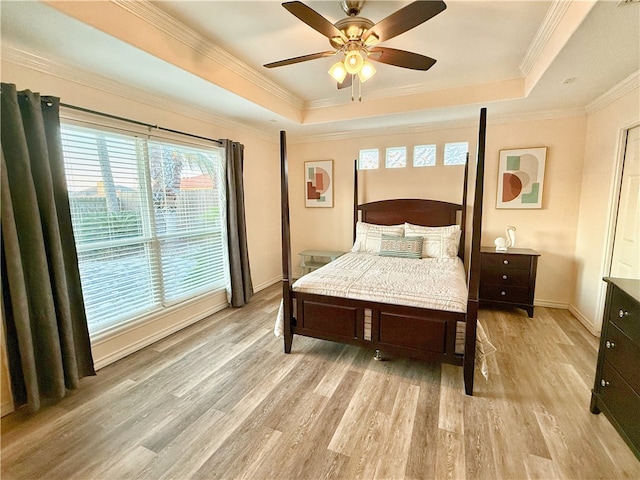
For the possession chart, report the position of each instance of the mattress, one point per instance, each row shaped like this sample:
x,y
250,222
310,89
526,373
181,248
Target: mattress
x,y
434,283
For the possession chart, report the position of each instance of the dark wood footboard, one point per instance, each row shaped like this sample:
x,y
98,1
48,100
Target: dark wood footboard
x,y
394,329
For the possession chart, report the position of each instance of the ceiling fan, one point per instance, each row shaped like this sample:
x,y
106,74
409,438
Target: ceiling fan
x,y
357,38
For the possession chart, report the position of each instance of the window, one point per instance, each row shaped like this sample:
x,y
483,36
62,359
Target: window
x,y
424,156
396,157
147,219
456,153
368,159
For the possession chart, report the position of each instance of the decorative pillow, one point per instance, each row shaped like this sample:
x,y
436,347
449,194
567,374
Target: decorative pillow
x,y
403,247
368,236
439,242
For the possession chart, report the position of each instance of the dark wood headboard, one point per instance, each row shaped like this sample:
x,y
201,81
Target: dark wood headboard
x,y
430,213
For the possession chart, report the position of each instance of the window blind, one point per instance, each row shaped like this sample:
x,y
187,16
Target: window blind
x,y
147,216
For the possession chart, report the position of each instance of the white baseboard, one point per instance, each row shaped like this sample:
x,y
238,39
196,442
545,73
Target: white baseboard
x,y
573,310
584,321
112,347
267,284
550,304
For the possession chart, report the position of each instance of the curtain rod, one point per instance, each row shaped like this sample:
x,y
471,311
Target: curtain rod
x,y
136,122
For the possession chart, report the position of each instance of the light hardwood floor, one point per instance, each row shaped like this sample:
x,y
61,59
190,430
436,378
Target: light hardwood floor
x,y
221,400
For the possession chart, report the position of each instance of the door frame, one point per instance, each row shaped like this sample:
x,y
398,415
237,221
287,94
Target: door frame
x,y
614,203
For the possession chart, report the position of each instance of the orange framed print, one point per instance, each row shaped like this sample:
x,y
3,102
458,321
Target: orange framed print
x,y
521,177
318,184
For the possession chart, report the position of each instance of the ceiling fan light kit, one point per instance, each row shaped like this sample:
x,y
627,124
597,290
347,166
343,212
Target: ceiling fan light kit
x,y
355,36
353,62
367,71
338,72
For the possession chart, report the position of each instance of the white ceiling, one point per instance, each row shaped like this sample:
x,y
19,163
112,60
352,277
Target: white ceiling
x,y
208,56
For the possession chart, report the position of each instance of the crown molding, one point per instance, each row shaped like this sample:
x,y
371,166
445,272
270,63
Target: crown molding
x,y
114,87
550,22
443,125
379,94
157,18
632,82
110,86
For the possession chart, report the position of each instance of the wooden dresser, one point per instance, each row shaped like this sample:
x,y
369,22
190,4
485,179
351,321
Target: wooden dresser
x,y
509,278
616,390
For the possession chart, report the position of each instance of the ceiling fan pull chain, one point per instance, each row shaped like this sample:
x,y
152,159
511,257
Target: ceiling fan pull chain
x,y
352,87
359,90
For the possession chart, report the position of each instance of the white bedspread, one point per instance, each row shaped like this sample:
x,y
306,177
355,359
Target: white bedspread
x,y
438,284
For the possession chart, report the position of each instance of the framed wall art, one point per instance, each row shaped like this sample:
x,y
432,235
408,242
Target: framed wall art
x,y
318,184
521,177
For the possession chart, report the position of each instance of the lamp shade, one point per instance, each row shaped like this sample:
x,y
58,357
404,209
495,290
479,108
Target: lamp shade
x,y
338,72
353,62
367,71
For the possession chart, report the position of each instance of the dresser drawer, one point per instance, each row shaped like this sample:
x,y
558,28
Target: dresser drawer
x,y
506,261
625,313
503,293
500,276
621,401
623,354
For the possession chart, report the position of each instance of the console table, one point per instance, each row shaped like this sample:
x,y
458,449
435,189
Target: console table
x,y
311,260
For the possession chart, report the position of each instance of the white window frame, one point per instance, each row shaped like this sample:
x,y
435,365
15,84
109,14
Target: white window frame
x,y
217,297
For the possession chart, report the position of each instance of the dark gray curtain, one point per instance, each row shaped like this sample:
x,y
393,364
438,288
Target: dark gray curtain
x,y
241,287
48,345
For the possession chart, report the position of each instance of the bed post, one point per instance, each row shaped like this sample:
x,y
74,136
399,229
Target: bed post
x,y
463,219
355,198
287,310
474,261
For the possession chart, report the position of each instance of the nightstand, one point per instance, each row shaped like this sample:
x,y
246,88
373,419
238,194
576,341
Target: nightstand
x,y
311,260
508,278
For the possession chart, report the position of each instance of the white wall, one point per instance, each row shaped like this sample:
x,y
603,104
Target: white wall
x,y
603,151
549,230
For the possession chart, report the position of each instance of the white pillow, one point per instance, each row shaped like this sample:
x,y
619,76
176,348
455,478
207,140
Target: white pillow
x,y
439,242
369,236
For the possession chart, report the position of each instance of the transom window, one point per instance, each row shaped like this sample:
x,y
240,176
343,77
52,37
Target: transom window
x,y
456,153
424,156
369,159
396,157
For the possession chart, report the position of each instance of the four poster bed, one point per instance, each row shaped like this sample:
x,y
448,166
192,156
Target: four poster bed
x,y
411,307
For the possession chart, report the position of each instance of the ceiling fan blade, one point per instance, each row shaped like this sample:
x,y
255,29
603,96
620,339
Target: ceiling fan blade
x,y
314,20
348,80
303,58
405,19
401,58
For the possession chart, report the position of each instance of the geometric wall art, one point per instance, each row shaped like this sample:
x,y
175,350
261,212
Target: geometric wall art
x,y
521,177
318,184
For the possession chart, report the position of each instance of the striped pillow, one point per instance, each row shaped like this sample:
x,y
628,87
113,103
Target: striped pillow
x,y
439,242
403,247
